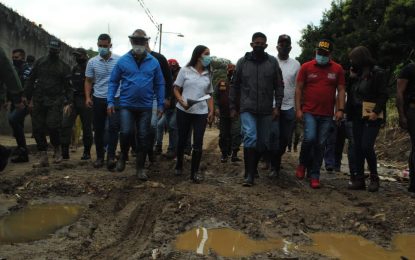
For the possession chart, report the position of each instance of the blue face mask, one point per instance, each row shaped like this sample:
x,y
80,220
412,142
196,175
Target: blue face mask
x,y
103,51
206,59
322,60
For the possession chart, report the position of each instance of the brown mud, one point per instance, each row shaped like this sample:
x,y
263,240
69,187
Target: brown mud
x,y
125,218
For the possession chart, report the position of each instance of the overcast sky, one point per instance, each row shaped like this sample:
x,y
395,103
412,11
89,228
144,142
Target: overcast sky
x,y
225,26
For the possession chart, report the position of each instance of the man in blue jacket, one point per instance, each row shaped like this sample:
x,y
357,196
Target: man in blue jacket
x,y
139,77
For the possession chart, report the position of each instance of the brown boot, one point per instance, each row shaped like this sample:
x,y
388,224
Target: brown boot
x,y
43,160
374,183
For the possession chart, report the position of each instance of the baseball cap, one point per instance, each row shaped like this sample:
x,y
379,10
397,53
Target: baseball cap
x,y
79,51
284,37
325,45
54,43
172,62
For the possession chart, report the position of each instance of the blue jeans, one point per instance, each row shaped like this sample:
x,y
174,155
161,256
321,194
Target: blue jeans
x,y
365,133
100,118
316,131
281,130
136,122
256,130
16,120
169,118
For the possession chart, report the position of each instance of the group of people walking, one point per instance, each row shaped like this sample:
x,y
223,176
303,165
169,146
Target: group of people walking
x,y
134,98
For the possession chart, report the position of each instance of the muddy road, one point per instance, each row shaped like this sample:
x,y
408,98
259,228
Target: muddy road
x,y
124,218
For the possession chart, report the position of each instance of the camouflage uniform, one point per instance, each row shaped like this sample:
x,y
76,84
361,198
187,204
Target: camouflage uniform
x,y
78,108
48,87
230,128
13,89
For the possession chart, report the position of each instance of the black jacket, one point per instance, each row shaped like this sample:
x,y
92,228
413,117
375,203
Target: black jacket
x,y
375,91
255,85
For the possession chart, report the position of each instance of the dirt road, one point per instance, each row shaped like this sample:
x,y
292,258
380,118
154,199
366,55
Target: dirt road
x,y
127,219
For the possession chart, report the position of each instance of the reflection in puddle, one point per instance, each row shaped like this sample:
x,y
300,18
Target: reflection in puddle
x,y
345,247
225,242
37,222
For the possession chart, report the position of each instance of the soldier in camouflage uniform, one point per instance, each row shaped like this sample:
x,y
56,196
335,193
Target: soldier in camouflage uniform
x,y
230,128
48,89
78,108
9,85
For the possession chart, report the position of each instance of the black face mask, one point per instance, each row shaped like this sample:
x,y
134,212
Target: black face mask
x,y
18,63
80,61
284,51
356,69
259,50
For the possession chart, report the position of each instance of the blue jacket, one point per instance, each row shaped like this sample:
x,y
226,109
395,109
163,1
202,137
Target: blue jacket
x,y
139,83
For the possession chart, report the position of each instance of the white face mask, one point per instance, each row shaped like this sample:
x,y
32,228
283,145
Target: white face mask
x,y
139,49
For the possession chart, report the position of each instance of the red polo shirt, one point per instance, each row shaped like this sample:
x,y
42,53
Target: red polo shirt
x,y
320,85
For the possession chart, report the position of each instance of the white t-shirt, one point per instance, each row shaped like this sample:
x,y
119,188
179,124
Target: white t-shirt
x,y
290,68
195,86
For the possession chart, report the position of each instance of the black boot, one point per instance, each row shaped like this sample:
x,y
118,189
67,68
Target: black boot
x,y
357,183
140,160
245,163
65,152
411,187
4,157
234,156
21,156
121,162
374,183
224,157
251,165
195,175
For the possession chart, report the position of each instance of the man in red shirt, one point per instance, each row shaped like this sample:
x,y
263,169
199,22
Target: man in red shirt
x,y
315,101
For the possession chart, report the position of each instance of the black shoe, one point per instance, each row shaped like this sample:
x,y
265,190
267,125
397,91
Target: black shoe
x,y
4,157
224,158
357,183
274,174
21,156
120,164
234,157
111,164
374,183
85,156
99,163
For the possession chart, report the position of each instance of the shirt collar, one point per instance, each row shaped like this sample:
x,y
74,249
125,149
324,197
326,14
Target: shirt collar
x,y
315,63
203,73
102,59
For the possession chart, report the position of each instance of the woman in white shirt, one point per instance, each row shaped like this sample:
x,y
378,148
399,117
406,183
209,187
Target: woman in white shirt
x,y
194,107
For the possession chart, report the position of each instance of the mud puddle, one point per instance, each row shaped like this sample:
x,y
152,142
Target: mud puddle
x,y
225,242
37,222
350,247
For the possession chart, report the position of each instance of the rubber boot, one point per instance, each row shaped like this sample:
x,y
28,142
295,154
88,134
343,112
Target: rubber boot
x,y
140,160
251,156
411,187
224,157
195,174
257,159
65,152
374,183
358,183
245,163
234,156
121,162
57,154
21,156
179,163
43,160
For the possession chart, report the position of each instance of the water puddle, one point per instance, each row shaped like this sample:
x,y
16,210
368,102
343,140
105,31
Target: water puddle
x,y
37,222
351,247
231,243
225,242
